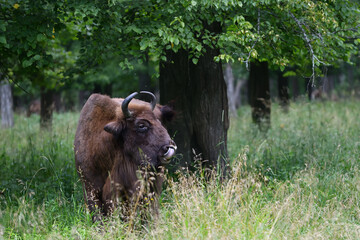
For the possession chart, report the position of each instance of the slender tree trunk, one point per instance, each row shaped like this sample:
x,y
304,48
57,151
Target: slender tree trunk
x,y
229,78
295,87
238,96
309,88
7,115
350,77
199,95
259,94
144,77
283,91
57,101
47,108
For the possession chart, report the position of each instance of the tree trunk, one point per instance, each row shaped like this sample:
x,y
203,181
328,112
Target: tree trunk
x,y
229,78
199,95
57,101
259,94
173,83
283,91
309,88
107,89
144,77
7,115
209,109
97,88
103,88
47,108
295,87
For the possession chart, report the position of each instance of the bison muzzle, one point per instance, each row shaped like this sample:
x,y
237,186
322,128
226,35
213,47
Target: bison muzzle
x,y
119,143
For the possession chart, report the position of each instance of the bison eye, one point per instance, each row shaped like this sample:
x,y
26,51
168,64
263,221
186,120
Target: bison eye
x,y
142,128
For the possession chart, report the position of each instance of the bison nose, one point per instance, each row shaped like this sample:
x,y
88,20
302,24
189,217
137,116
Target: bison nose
x,y
169,152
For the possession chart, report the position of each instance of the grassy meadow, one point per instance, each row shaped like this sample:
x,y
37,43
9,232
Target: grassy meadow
x,y
300,180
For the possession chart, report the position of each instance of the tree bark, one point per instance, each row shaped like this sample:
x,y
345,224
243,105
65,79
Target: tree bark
x,y
283,91
209,109
259,94
173,83
47,108
7,115
199,95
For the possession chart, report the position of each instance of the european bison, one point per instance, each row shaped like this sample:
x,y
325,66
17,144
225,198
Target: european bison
x,y
115,139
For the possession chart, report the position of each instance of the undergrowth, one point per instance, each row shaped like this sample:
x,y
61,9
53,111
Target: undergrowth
x,y
300,180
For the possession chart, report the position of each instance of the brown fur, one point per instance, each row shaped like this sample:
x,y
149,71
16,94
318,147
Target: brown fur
x,y
110,150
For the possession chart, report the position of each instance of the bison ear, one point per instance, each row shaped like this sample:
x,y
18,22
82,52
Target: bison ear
x,y
167,113
114,128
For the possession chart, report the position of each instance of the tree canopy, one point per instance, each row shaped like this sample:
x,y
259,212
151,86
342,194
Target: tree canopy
x,y
305,34
28,35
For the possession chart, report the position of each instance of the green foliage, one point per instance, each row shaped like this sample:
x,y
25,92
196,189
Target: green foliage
x,y
33,40
300,180
305,34
36,36
28,27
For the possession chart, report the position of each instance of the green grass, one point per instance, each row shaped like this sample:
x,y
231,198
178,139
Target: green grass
x,y
300,180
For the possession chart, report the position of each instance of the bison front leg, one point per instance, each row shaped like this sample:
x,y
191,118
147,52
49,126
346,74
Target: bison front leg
x,y
115,198
93,200
108,197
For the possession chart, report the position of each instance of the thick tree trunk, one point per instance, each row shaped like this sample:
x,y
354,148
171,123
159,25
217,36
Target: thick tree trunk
x,y
259,94
47,108
283,91
174,84
7,115
199,95
209,109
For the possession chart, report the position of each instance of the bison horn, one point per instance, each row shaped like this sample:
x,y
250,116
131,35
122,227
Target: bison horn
x,y
125,103
153,99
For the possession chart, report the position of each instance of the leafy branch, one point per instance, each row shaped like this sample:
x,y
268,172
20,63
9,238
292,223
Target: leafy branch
x,y
308,43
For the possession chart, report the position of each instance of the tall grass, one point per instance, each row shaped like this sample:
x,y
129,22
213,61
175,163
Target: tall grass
x,y
300,180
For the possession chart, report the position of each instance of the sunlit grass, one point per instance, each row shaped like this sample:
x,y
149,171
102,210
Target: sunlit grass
x,y
300,180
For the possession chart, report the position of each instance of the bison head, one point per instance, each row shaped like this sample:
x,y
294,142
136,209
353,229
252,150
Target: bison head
x,y
139,130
